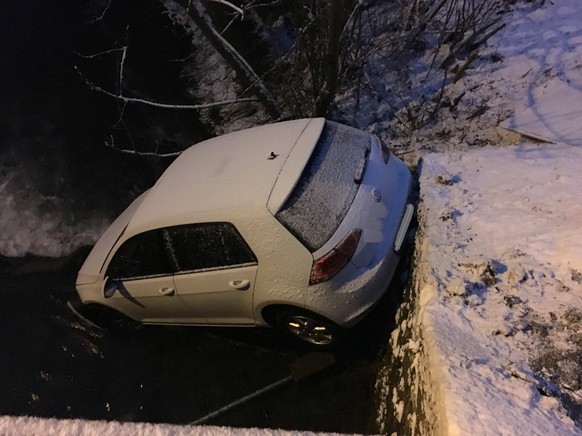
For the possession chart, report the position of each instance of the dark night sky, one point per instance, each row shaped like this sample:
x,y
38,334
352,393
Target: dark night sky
x,y
36,53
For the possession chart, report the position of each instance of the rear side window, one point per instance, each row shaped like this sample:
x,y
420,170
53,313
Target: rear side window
x,y
209,245
326,189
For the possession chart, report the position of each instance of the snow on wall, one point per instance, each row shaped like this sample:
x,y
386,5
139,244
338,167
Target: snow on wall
x,y
409,393
496,300
30,426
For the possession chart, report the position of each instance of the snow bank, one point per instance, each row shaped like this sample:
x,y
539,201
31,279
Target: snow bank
x,y
493,340
38,426
550,62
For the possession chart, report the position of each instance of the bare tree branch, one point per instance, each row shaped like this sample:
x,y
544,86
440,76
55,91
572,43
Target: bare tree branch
x,y
100,17
101,53
230,5
474,55
121,112
126,99
282,58
253,4
111,144
355,9
230,23
237,62
121,67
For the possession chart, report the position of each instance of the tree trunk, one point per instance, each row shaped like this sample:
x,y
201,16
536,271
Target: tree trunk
x,y
245,73
336,18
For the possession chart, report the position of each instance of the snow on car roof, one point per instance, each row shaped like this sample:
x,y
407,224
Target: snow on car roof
x,y
230,175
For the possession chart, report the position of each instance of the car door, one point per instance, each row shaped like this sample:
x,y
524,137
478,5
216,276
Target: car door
x,y
216,272
141,281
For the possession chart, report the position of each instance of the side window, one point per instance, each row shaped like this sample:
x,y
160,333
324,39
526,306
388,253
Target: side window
x,y
209,245
141,256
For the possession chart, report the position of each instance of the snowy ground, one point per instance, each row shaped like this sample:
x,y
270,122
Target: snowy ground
x,y
73,427
498,322
491,339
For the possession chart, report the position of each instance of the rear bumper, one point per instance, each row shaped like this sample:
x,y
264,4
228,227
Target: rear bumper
x,y
353,292
384,219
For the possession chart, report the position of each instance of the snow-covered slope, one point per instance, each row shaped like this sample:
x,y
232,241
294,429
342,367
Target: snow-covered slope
x,y
546,52
497,320
490,338
528,79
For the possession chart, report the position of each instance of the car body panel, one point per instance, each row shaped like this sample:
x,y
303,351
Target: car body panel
x,y
377,219
233,171
281,276
383,195
243,179
142,300
215,292
284,265
294,165
353,292
91,268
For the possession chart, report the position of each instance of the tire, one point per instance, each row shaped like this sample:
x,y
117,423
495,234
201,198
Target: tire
x,y
309,329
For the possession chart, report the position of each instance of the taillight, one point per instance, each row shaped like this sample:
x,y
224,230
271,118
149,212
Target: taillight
x,y
384,150
331,263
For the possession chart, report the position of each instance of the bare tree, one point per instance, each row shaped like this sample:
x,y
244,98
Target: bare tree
x,y
305,74
452,32
133,99
337,13
196,15
323,49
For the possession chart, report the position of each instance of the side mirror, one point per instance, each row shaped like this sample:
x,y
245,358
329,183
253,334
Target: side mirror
x,y
109,287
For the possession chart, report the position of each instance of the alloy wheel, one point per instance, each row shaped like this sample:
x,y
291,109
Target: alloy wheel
x,y
309,330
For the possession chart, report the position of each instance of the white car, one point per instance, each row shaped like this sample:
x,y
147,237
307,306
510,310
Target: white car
x,y
296,225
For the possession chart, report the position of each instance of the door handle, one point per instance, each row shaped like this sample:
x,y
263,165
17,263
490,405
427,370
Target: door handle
x,y
167,291
241,285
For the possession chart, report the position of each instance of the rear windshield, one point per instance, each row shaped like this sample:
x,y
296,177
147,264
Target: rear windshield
x,y
326,189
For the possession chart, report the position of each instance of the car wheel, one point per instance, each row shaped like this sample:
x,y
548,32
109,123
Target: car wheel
x,y
309,329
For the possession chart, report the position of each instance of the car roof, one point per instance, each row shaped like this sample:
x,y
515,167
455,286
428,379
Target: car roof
x,y
234,175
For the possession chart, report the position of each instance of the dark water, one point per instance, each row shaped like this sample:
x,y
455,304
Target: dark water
x,y
53,365
52,127
54,161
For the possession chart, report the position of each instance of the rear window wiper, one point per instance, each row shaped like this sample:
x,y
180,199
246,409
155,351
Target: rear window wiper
x,y
362,167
